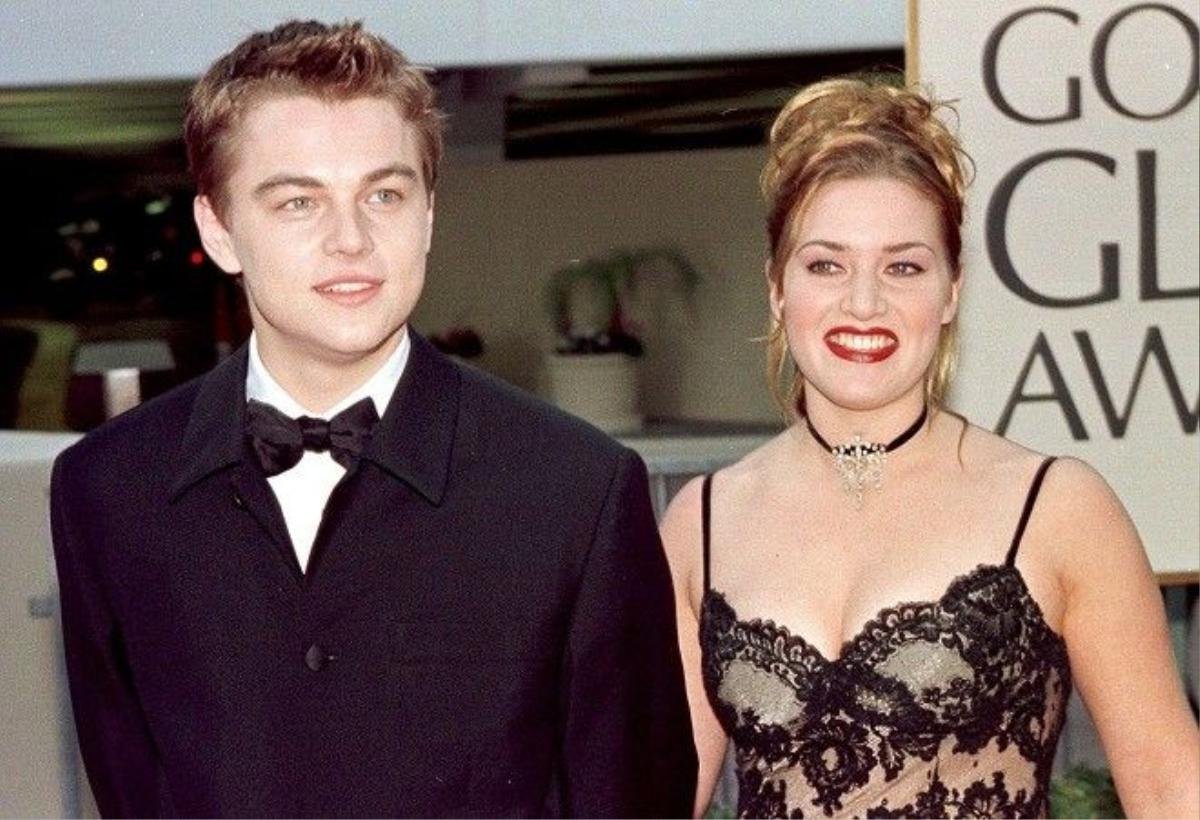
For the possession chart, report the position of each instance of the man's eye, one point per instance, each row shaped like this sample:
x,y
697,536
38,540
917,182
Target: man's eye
x,y
297,203
386,196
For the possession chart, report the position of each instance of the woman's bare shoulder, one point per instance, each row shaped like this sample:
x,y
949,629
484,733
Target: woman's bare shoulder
x,y
1083,510
1076,481
989,462
682,523
752,469
1077,519
749,469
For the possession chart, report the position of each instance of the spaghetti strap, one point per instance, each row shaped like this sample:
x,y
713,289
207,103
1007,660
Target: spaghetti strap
x,y
706,515
1030,498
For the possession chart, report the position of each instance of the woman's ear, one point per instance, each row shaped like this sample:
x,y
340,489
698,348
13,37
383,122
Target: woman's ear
x,y
951,308
774,291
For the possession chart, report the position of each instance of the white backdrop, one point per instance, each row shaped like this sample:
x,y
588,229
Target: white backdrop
x,y
55,41
1080,317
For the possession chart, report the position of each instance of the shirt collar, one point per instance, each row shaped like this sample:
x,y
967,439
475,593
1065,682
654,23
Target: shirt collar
x,y
414,441
262,386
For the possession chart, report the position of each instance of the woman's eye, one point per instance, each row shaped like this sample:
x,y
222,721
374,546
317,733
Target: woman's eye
x,y
823,267
905,269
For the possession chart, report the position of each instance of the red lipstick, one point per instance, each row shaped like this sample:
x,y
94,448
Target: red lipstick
x,y
863,346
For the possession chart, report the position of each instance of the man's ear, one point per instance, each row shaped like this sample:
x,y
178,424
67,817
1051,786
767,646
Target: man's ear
x,y
429,224
215,238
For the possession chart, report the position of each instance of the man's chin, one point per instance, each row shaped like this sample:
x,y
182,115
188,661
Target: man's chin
x,y
351,350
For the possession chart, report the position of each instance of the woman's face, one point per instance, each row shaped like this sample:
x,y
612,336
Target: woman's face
x,y
865,292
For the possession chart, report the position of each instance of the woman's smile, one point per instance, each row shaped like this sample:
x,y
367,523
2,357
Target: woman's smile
x,y
862,346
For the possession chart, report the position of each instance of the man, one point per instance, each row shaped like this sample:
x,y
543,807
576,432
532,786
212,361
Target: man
x,y
274,604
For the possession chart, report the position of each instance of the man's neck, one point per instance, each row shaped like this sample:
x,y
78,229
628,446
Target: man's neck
x,y
318,383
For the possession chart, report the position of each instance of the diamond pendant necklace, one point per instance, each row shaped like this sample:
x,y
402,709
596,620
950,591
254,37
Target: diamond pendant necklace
x,y
860,462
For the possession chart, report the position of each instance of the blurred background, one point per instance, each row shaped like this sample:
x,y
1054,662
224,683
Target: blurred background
x,y
561,147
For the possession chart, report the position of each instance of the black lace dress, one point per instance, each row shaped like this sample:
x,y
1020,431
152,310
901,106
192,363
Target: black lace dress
x,y
946,708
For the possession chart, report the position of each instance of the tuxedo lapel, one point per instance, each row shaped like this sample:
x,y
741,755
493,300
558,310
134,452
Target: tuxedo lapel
x,y
399,481
253,495
213,439
214,442
414,441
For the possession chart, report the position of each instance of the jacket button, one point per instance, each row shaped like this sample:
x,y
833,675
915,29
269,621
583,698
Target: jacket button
x,y
316,657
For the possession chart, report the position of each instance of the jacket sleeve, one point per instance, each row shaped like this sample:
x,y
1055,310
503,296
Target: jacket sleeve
x,y
627,747
118,752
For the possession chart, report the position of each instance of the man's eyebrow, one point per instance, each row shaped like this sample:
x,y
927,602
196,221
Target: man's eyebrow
x,y
399,169
280,180
299,181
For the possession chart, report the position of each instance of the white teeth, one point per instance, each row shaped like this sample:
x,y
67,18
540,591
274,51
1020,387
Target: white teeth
x,y
346,287
865,343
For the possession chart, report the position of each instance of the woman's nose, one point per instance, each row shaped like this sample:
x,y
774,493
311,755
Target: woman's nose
x,y
864,297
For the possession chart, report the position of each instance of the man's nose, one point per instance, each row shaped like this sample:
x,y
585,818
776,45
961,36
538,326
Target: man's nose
x,y
348,231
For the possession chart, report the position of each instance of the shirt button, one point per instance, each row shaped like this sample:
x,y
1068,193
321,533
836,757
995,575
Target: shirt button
x,y
316,657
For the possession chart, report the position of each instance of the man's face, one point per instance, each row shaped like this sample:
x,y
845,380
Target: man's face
x,y
329,222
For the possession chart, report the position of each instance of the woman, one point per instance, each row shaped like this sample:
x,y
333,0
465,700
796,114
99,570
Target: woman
x,y
1025,573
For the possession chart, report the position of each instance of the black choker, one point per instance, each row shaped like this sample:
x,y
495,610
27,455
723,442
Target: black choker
x,y
859,462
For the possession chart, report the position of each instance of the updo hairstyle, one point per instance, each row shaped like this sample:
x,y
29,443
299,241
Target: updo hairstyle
x,y
852,129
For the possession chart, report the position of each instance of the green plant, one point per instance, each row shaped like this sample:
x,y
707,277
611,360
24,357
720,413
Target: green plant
x,y
609,281
1084,792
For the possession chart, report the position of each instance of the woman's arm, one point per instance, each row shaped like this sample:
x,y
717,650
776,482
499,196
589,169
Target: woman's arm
x,y
682,540
1116,634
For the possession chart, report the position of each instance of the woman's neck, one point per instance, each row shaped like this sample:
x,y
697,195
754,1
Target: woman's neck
x,y
839,425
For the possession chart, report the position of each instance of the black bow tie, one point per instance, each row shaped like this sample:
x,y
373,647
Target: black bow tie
x,y
280,441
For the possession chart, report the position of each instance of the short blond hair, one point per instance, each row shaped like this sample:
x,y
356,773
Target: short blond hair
x,y
331,62
851,128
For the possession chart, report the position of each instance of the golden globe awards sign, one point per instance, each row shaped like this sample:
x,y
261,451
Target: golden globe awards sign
x,y
1081,307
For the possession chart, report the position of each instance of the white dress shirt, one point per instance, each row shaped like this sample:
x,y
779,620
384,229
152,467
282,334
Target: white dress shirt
x,y
303,490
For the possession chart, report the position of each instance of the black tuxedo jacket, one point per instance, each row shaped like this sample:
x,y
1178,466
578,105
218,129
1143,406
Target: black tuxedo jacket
x,y
486,625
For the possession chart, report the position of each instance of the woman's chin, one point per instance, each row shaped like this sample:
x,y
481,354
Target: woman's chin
x,y
866,399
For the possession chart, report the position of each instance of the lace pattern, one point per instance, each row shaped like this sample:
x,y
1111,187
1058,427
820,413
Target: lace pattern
x,y
947,708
